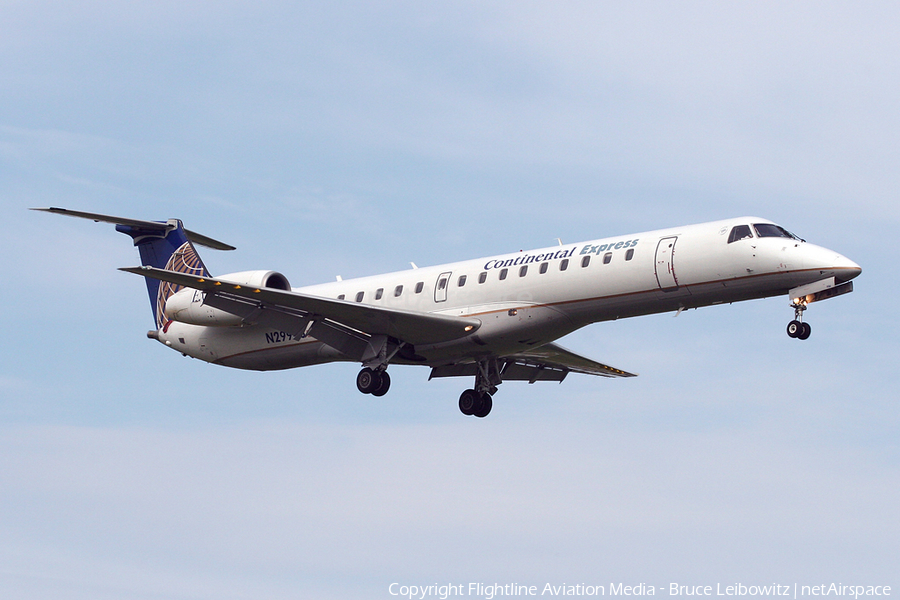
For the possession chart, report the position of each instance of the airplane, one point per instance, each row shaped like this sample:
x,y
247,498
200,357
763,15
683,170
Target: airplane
x,y
495,318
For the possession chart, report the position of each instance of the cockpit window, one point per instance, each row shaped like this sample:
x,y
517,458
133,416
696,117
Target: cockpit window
x,y
770,230
739,232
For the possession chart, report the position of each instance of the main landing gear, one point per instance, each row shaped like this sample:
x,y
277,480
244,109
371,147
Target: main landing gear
x,y
373,378
479,401
473,403
797,328
373,381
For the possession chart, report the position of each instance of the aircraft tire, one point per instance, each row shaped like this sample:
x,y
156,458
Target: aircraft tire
x,y
805,331
468,401
367,381
794,329
384,386
485,404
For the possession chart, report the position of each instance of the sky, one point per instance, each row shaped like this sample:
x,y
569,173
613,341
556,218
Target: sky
x,y
345,138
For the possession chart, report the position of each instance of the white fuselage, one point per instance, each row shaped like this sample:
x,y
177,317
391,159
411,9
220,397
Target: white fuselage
x,y
527,299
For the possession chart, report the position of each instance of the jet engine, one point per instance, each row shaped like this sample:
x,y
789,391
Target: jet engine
x,y
187,305
269,279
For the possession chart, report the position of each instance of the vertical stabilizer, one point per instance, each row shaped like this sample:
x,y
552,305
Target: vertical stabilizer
x,y
170,250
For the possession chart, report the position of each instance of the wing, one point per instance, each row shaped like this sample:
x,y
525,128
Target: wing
x,y
549,362
553,356
317,316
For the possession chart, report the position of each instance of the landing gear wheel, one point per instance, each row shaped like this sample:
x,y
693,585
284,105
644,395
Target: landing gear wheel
x,y
368,381
473,403
484,406
795,328
805,330
468,400
382,389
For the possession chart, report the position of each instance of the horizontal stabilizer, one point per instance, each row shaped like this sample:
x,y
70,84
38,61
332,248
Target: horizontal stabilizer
x,y
146,225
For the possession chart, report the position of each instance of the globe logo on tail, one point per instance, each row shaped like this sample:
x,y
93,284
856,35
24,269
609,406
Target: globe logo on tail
x,y
183,260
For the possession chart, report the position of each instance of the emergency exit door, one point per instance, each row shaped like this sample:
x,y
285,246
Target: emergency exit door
x,y
440,287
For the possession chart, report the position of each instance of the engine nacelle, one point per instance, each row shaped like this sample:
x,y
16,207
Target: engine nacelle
x,y
187,306
269,279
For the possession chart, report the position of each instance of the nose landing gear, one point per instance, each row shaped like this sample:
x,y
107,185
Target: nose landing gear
x,y
797,328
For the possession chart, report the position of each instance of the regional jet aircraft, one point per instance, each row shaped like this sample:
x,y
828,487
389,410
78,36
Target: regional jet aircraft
x,y
495,319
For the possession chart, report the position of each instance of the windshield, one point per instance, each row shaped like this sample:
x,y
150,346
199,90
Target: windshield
x,y
770,230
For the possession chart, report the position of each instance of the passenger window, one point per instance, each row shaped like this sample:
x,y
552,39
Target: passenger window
x,y
462,280
630,254
341,297
585,261
523,270
420,286
564,264
544,267
482,277
359,296
503,274
397,291
607,258
442,284
739,232
379,293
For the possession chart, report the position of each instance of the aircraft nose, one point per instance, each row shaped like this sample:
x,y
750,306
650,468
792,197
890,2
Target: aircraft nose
x,y
843,268
829,262
847,269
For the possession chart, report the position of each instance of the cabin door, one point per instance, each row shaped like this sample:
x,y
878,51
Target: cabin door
x,y
665,263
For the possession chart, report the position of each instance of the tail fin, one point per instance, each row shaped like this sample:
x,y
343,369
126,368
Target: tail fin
x,y
164,245
169,249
